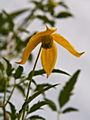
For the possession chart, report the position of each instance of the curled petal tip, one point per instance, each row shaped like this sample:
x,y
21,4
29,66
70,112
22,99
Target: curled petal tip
x,y
81,54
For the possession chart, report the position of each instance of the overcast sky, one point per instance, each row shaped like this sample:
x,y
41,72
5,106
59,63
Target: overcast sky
x,y
77,31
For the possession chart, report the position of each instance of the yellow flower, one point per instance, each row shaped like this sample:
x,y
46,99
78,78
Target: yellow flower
x,y
49,49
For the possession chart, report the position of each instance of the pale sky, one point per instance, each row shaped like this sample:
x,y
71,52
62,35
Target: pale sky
x,y
77,31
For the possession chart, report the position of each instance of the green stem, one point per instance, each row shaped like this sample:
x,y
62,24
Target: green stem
x,y
29,17
23,116
4,111
10,94
58,115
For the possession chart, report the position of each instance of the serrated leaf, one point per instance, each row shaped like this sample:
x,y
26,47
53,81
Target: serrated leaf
x,y
64,15
36,94
36,117
66,92
70,109
9,68
18,72
41,72
13,111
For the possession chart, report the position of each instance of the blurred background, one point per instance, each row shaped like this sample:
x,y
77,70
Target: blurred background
x,y
77,31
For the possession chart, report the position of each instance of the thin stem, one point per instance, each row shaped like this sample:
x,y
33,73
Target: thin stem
x,y
27,18
4,111
59,112
58,116
5,92
30,17
30,83
11,94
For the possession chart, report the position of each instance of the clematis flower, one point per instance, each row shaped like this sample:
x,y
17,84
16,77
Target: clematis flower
x,y
49,50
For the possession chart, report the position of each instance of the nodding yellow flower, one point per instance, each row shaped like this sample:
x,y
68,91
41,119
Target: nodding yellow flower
x,y
49,49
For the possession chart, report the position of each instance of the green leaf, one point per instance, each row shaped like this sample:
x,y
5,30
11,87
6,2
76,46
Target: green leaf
x,y
37,106
63,5
40,104
1,67
36,117
66,92
15,14
64,15
42,86
51,104
9,68
19,43
18,72
8,21
34,82
13,111
70,109
45,19
3,82
21,89
36,94
23,30
41,72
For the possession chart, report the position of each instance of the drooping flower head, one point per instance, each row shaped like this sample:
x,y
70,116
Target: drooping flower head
x,y
49,50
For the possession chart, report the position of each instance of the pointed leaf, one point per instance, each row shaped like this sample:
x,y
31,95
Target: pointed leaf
x,y
70,109
36,94
17,13
9,68
45,19
13,111
21,89
63,5
41,72
37,106
66,92
40,104
18,72
36,117
51,104
42,86
64,15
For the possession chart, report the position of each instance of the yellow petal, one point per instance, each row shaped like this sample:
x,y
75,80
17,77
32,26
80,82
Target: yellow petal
x,y
48,31
48,58
62,41
33,42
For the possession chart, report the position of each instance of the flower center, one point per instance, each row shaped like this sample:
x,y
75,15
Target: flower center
x,y
47,41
